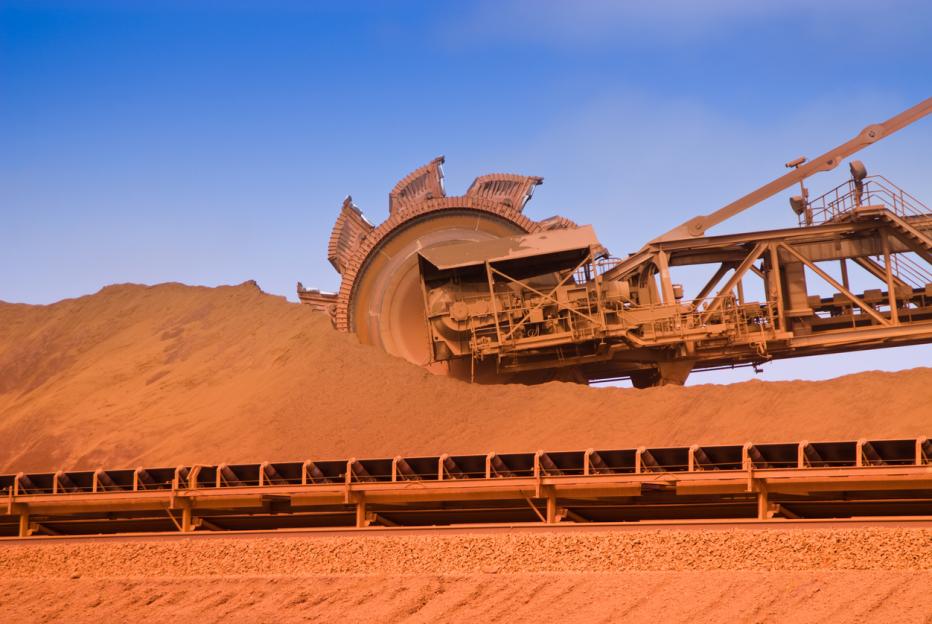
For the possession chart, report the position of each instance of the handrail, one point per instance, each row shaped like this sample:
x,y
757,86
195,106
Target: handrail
x,y
911,271
845,198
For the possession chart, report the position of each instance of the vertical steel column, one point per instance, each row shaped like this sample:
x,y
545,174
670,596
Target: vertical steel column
x,y
24,522
187,520
551,506
666,285
361,521
776,287
763,502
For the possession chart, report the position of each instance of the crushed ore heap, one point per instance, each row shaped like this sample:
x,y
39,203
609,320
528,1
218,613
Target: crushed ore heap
x,y
173,374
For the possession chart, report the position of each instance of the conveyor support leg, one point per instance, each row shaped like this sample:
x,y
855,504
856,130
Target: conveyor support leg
x,y
552,511
187,522
24,523
361,519
763,506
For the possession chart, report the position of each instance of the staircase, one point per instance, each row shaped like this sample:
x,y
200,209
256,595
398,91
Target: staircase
x,y
917,240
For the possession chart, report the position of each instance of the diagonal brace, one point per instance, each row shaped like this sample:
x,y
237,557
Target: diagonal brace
x,y
730,284
828,278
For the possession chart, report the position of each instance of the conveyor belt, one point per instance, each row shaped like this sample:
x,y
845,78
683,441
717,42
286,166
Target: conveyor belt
x,y
764,481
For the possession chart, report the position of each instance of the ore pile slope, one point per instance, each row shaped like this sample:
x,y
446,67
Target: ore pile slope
x,y
174,374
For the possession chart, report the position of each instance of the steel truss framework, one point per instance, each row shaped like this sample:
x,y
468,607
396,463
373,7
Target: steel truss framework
x,y
868,222
663,336
865,478
890,243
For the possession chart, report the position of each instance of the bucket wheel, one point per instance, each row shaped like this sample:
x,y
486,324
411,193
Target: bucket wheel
x,y
380,297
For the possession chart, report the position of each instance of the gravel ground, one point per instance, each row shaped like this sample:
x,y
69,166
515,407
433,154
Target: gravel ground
x,y
692,597
666,550
695,576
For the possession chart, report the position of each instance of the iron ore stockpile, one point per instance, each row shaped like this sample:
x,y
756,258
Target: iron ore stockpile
x,y
172,375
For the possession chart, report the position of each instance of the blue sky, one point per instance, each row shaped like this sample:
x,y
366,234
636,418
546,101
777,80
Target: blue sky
x,y
213,142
